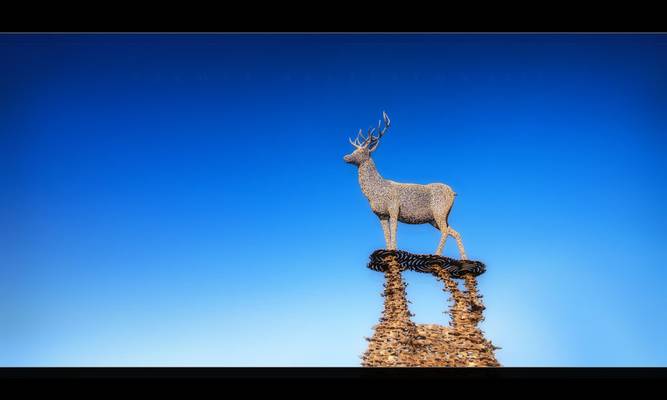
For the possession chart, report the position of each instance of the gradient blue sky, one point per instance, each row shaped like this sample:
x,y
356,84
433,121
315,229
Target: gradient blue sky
x,y
182,200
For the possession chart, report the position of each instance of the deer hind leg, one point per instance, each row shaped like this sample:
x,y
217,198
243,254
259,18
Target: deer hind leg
x,y
459,242
385,228
443,236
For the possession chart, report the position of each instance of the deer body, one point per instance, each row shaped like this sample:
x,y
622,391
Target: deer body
x,y
405,202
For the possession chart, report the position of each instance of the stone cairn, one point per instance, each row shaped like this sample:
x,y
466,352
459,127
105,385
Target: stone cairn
x,y
399,342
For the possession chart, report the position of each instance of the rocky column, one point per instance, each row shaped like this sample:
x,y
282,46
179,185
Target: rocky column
x,y
391,344
465,340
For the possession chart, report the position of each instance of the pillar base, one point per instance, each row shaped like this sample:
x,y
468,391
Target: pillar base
x,y
399,342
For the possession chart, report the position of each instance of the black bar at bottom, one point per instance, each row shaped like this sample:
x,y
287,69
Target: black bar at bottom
x,y
375,373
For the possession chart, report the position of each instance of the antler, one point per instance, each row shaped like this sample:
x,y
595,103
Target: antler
x,y
356,143
371,141
375,140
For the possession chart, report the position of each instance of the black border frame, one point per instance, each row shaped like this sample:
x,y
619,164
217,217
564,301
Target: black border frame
x,y
69,373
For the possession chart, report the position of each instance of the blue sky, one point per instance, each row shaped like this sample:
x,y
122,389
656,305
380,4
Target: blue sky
x,y
182,199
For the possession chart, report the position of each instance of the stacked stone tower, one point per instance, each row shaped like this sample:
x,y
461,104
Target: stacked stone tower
x,y
392,344
399,342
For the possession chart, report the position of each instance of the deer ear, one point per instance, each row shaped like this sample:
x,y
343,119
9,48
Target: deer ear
x,y
373,146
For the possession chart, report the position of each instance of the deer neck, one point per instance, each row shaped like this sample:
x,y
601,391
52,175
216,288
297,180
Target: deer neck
x,y
370,179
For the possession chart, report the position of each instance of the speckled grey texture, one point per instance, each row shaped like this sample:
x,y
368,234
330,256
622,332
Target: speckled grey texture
x,y
405,202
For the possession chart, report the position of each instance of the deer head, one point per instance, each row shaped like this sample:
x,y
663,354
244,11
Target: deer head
x,y
364,146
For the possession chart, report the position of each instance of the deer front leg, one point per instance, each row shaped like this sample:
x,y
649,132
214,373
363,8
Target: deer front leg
x,y
394,208
393,223
387,235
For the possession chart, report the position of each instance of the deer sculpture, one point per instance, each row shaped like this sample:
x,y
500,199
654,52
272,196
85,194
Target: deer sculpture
x,y
405,202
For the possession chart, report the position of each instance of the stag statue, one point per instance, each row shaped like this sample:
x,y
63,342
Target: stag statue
x,y
405,202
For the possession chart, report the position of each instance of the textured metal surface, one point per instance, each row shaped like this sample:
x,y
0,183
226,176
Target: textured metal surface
x,y
425,263
395,202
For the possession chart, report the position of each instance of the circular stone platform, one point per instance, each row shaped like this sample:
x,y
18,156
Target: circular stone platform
x,y
425,263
